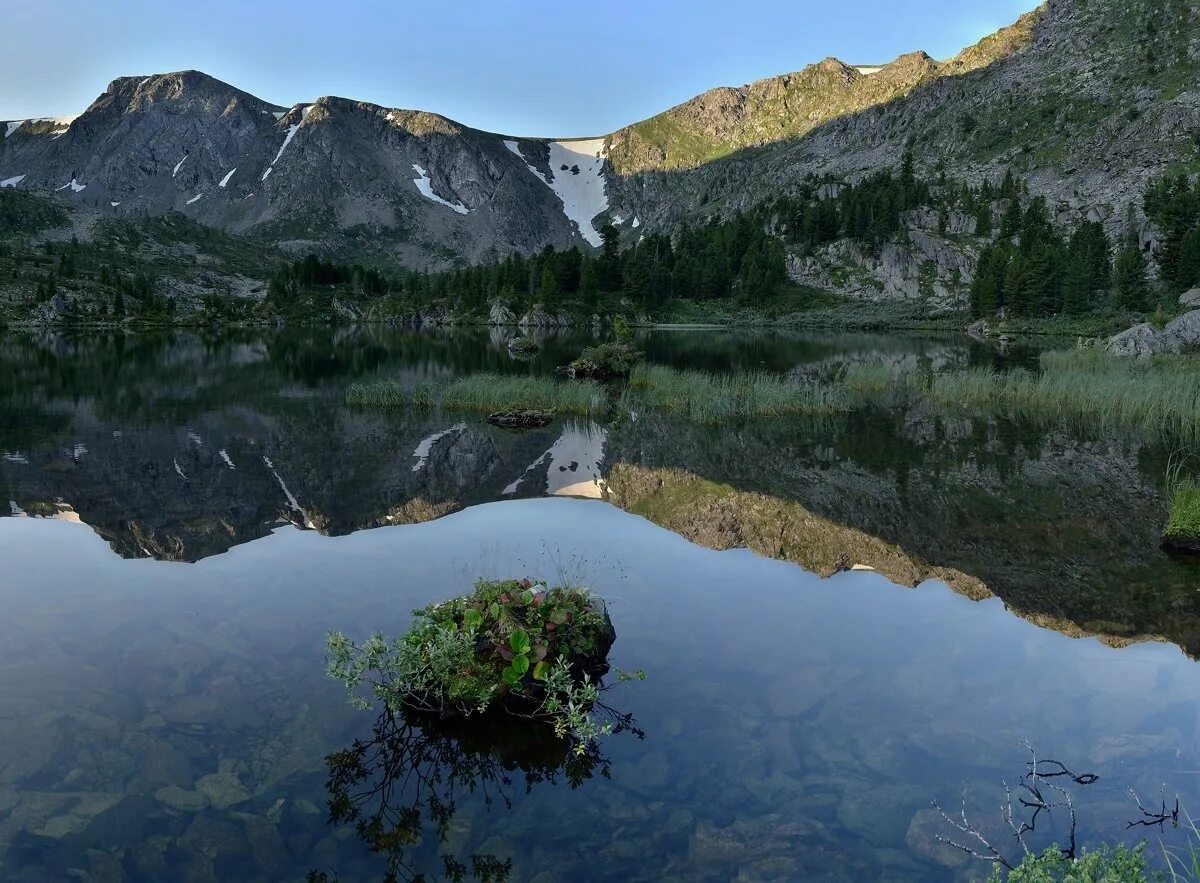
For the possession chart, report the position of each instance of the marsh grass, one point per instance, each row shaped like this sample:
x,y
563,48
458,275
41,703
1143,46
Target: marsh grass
x,y
1160,397
484,393
720,398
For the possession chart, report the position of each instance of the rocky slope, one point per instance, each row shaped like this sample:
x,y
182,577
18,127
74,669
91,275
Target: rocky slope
x,y
724,120
1087,100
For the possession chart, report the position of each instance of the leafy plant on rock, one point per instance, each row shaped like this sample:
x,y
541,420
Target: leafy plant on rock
x,y
530,650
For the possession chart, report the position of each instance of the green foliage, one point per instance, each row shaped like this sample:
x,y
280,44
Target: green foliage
x,y
1173,205
604,361
1041,274
517,643
23,213
483,393
1121,864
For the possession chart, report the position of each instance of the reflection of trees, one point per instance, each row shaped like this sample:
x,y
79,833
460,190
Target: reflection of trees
x,y
417,765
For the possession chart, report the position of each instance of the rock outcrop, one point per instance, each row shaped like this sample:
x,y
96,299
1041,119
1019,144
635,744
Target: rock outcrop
x,y
1142,341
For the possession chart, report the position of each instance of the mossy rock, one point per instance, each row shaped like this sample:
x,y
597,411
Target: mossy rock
x,y
603,362
523,347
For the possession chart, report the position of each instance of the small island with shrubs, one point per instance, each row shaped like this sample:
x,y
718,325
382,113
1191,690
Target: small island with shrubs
x,y
514,646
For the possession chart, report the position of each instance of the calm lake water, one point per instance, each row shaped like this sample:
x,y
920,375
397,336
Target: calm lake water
x,y
205,509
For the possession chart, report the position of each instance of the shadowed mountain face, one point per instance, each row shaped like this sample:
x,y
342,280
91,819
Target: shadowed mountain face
x,y
179,449
1086,99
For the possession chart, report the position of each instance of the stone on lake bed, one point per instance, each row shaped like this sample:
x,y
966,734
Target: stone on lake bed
x,y
222,789
181,799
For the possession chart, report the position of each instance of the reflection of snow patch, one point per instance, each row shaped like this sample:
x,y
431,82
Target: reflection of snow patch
x,y
194,439
12,182
574,463
291,498
426,445
14,457
224,456
78,451
425,185
179,469
15,510
114,204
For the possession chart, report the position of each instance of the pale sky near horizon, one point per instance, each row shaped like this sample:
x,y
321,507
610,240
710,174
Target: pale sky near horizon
x,y
534,68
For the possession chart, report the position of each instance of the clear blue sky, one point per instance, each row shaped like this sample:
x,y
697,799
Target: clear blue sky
x,y
515,66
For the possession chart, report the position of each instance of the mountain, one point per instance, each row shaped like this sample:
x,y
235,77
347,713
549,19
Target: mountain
x,y
722,121
1086,98
415,186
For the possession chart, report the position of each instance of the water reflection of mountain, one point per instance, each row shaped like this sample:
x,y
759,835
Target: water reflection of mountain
x,y
180,448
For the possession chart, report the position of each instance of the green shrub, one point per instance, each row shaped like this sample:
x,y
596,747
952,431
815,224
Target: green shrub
x,y
1121,864
532,650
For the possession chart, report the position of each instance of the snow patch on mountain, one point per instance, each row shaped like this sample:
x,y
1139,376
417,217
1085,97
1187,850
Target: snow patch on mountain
x,y
292,130
577,178
61,124
194,198
425,185
12,182
75,186
178,165
228,175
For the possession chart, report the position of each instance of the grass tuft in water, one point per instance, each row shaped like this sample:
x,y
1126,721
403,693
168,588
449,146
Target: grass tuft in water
x,y
1183,522
483,393
719,398
1088,388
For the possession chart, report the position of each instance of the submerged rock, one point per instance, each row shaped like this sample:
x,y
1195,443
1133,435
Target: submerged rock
x,y
1186,545
521,419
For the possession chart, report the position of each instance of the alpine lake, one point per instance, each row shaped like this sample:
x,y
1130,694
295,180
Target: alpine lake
x,y
841,620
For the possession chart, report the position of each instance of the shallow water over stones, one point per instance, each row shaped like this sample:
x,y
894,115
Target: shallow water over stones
x,y
170,720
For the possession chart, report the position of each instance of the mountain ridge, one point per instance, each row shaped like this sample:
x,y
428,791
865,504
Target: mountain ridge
x,y
1058,95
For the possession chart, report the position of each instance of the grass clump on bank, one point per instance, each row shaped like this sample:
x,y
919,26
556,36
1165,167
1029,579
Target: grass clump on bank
x,y
1088,388
483,393
718,398
1183,520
